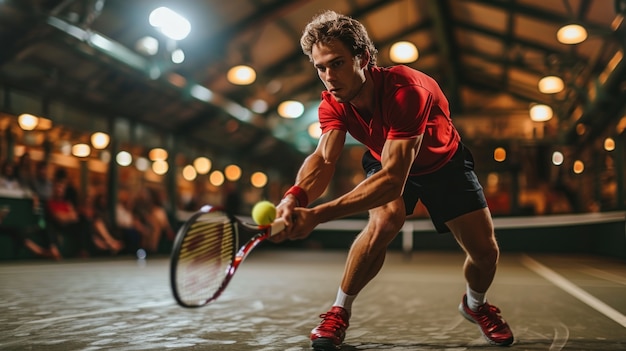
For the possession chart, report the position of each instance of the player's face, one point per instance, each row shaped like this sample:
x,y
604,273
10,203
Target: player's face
x,y
340,71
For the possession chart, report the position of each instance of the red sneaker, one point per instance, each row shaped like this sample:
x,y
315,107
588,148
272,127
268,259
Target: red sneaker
x,y
491,324
331,331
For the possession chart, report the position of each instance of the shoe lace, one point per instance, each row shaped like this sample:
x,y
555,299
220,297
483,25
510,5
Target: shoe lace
x,y
332,321
490,318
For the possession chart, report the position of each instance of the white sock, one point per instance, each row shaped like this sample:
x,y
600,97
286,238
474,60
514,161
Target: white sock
x,y
344,300
475,299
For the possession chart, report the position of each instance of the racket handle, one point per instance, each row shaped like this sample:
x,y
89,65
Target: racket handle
x,y
277,227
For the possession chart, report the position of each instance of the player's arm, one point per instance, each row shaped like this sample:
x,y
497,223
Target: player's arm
x,y
316,172
382,187
318,168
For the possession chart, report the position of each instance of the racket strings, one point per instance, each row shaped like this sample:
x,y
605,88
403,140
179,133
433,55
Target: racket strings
x,y
205,256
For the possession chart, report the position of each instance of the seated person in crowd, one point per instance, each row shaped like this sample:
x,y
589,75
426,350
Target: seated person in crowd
x,y
132,230
150,211
42,182
63,217
50,248
10,180
71,193
159,213
27,236
103,228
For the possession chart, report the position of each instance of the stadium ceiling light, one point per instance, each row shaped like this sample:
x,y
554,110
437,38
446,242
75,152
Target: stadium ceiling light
x,y
189,173
541,113
147,45
579,167
100,140
157,154
551,85
499,154
241,75
571,34
557,158
609,144
170,23
124,158
232,172
216,178
258,179
178,56
290,109
27,121
160,167
202,165
403,52
81,150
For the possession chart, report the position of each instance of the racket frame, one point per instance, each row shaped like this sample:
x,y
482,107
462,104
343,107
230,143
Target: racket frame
x,y
257,233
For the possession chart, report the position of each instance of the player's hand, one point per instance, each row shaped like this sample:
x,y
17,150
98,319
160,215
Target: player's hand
x,y
285,209
304,221
284,212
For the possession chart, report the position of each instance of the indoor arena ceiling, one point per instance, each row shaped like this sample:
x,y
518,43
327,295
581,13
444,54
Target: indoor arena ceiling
x,y
488,55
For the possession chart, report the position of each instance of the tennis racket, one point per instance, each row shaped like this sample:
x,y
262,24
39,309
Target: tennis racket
x,y
208,249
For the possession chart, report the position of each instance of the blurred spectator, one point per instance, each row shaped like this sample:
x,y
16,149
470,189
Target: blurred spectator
x,y
150,210
42,182
9,179
160,212
50,248
37,232
24,237
103,229
24,170
41,185
63,217
131,228
71,193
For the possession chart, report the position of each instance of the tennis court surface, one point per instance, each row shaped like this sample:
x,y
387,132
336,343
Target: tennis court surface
x,y
564,302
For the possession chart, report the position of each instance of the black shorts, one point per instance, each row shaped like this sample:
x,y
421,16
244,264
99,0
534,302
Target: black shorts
x,y
447,193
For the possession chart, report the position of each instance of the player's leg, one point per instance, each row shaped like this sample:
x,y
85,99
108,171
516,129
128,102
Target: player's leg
x,y
475,234
367,253
456,202
365,259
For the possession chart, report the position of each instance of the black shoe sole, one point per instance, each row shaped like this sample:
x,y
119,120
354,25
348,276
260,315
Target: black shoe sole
x,y
324,344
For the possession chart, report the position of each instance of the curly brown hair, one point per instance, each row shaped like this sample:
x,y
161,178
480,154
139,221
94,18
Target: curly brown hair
x,y
331,25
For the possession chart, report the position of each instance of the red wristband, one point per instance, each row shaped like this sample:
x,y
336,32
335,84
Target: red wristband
x,y
300,194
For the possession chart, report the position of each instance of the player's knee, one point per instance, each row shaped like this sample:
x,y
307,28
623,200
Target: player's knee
x,y
487,258
386,227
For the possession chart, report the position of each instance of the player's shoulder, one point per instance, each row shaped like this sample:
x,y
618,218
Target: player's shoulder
x,y
401,78
400,75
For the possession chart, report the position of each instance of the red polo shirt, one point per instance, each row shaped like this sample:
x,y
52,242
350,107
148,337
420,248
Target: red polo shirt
x,y
408,103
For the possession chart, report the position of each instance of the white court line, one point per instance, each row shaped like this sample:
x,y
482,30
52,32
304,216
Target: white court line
x,y
604,275
561,335
108,310
574,290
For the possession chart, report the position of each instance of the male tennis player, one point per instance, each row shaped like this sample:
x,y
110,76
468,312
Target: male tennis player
x,y
414,154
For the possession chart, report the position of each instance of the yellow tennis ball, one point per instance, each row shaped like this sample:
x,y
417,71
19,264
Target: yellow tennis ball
x,y
264,213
